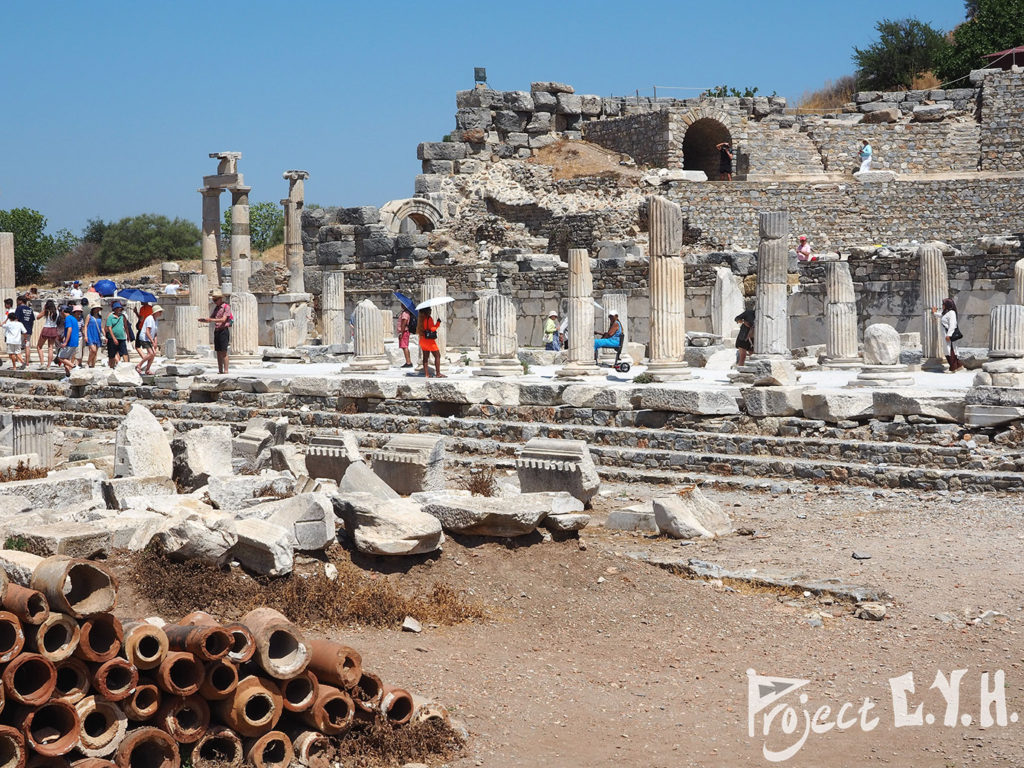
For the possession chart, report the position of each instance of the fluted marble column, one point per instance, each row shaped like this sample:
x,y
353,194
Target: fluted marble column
x,y
581,316
241,243
7,279
368,342
186,328
480,310
293,205
1006,331
840,316
286,334
619,303
245,332
387,318
211,234
1018,282
726,303
434,287
199,291
667,284
499,346
771,322
332,305
33,433
934,288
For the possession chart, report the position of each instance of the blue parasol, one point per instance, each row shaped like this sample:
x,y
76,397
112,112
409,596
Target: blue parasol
x,y
105,287
406,301
134,294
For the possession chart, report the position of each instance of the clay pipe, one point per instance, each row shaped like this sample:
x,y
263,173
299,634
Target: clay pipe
x,y
56,637
271,750
281,648
12,748
115,680
93,762
143,702
185,719
76,587
103,726
149,747
50,730
206,643
41,761
332,713
397,706
299,692
12,636
145,644
219,680
27,604
101,638
310,747
220,747
179,674
243,644
335,663
367,695
253,708
73,680
29,679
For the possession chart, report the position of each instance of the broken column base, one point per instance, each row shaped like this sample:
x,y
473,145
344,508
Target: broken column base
x,y
842,363
500,367
578,370
933,365
674,370
883,376
381,363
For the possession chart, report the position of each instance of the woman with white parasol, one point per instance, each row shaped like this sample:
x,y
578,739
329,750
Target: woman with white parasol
x,y
427,328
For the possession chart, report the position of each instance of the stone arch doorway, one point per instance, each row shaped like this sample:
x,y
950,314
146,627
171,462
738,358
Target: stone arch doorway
x,y
699,146
410,216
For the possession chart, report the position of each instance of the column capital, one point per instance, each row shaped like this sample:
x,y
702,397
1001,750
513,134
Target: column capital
x,y
210,191
294,175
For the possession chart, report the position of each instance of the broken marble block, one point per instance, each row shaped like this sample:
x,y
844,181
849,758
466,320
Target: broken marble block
x,y
308,518
141,447
638,517
487,516
329,456
689,514
264,547
411,463
394,527
544,464
200,453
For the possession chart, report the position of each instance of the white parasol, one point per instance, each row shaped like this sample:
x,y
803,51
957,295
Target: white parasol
x,y
436,301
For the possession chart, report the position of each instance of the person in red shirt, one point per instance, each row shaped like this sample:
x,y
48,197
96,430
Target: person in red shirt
x,y
222,319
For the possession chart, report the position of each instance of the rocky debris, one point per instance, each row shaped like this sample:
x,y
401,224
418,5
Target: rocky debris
x,y
263,547
359,478
558,465
242,491
200,453
197,537
308,518
141,447
638,517
689,514
486,516
870,611
389,527
881,345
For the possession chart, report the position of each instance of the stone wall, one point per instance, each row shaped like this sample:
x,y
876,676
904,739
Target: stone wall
x,y
909,147
1002,126
646,137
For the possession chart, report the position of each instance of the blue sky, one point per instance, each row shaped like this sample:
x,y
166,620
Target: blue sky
x,y
109,109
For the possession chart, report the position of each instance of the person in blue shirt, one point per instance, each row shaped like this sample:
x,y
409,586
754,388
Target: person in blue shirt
x,y
94,333
865,156
71,338
612,339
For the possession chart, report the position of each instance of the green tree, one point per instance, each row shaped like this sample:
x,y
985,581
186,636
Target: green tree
x,y
33,248
138,241
266,225
905,48
992,26
94,230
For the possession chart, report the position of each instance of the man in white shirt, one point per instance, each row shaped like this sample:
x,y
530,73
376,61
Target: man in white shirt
x,y
171,289
76,291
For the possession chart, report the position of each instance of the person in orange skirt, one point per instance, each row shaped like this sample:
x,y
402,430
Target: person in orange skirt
x,y
427,330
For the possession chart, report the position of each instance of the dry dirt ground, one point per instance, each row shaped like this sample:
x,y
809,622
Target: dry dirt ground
x,y
589,657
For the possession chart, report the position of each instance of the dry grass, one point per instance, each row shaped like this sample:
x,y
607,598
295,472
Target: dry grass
x,y
482,483
832,95
382,745
21,472
578,159
926,81
355,597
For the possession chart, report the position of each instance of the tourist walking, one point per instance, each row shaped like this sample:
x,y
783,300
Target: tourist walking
x,y
27,318
724,160
149,344
14,335
67,356
116,330
428,328
949,320
50,333
406,326
94,333
745,338
552,340
8,308
222,319
612,338
865,157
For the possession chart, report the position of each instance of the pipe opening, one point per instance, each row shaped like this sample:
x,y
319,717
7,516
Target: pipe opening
x,y
56,637
98,723
119,678
32,676
51,723
337,711
188,718
145,698
151,754
71,678
184,673
284,647
370,685
297,691
148,648
217,644
101,637
88,589
222,677
400,708
219,749
8,637
274,752
36,608
241,642
258,708
10,751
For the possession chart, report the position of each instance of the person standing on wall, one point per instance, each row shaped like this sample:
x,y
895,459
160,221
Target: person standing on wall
x,y
222,319
724,160
865,157
428,326
949,319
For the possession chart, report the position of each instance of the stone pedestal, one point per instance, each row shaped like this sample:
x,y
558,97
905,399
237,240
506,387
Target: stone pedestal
x,y
615,302
332,303
245,332
210,244
667,290
840,317
883,376
293,205
7,278
581,316
934,288
726,304
1006,331
368,342
434,287
186,328
241,247
499,345
771,323
33,433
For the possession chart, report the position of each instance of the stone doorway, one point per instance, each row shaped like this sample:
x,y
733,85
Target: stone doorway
x,y
699,142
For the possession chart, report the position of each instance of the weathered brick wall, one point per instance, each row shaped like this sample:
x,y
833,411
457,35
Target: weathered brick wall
x,y
1002,122
644,137
902,147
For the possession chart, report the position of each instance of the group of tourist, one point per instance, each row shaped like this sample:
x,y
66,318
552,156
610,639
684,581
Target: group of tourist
x,y
426,328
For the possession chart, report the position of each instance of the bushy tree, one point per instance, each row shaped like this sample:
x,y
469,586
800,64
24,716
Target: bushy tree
x,y
33,248
266,225
138,241
94,231
905,48
992,26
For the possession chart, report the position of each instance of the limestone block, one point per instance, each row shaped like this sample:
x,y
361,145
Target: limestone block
x,y
690,515
590,105
58,489
308,518
119,491
597,396
411,463
701,402
883,115
550,87
441,150
568,104
19,566
566,523
834,405
240,492
638,517
881,345
772,372
931,113
762,402
329,456
83,540
132,529
251,443
200,453
484,516
359,478
141,447
943,406
544,464
207,538
264,547
395,527
875,177
169,506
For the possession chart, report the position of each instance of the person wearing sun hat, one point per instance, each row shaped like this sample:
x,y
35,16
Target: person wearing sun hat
x,y
149,344
94,331
222,319
551,340
116,331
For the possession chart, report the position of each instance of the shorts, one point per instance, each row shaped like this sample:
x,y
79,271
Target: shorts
x,y
115,348
50,333
144,345
403,341
67,353
221,339
14,349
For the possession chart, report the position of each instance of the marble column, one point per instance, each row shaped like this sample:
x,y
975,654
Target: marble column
x,y
1006,331
581,316
667,285
293,205
286,334
33,433
771,323
840,316
368,341
934,288
241,243
199,292
211,234
388,319
499,347
616,302
332,306
7,278
434,287
480,312
245,331
1018,281
726,304
186,328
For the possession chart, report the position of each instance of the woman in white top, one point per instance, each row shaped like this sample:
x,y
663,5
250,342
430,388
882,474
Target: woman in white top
x,y
948,321
149,340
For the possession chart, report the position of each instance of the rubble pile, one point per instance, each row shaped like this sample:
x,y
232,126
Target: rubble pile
x,y
81,687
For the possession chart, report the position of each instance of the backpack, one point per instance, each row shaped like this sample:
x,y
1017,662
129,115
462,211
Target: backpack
x,y
412,324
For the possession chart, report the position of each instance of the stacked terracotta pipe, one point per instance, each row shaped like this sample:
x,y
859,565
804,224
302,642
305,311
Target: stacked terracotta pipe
x,y
80,688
